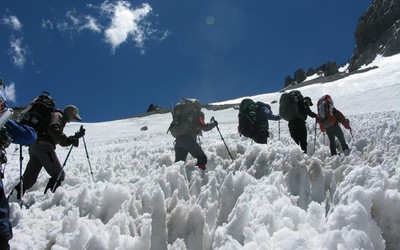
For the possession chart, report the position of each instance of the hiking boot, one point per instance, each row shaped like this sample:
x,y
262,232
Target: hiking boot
x,y
346,152
53,184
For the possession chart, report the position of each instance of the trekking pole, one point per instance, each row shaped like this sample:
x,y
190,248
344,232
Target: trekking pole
x,y
21,178
315,134
62,169
213,121
279,129
87,156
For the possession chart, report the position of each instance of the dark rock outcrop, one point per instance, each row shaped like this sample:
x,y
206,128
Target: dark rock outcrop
x,y
378,32
289,81
299,75
311,72
153,108
330,69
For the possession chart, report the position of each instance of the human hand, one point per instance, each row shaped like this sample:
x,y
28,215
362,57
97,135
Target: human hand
x,y
73,140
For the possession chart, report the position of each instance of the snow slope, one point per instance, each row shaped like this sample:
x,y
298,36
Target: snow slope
x,y
270,197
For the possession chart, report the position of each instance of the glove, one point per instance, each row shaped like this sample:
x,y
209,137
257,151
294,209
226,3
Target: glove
x,y
73,140
215,123
80,133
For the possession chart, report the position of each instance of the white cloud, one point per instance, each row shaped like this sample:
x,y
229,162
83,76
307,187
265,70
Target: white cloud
x,y
10,93
125,23
91,24
75,22
13,22
122,23
71,16
47,24
18,52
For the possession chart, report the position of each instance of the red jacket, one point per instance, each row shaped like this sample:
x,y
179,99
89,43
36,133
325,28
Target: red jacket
x,y
339,118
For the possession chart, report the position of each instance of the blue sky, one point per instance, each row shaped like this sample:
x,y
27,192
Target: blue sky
x,y
113,58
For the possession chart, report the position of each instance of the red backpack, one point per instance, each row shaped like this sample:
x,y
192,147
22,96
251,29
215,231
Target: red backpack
x,y
325,107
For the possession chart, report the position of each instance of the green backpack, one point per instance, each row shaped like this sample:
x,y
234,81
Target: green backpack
x,y
184,116
247,118
289,105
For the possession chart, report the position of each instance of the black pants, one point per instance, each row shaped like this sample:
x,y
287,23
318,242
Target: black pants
x,y
261,137
41,154
336,131
298,132
187,144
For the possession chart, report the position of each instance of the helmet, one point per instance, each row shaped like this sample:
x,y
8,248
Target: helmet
x,y
71,112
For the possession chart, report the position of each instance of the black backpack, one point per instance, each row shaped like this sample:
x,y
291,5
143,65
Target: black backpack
x,y
289,105
247,118
184,116
37,115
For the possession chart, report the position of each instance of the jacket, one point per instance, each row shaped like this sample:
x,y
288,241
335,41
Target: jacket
x,y
54,133
339,118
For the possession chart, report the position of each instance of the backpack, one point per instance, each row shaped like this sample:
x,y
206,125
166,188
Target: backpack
x,y
247,118
289,105
37,114
184,116
325,111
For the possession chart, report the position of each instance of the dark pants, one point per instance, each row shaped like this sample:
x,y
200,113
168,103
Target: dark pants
x,y
187,144
336,131
5,225
41,154
261,137
298,131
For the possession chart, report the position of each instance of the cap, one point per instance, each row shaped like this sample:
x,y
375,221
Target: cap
x,y
308,99
72,112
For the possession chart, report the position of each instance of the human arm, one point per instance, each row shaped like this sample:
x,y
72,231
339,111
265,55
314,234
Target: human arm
x,y
309,112
55,130
205,126
20,134
268,113
342,119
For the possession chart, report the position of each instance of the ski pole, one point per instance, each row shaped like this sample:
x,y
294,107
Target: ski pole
x,y
62,169
87,156
21,179
315,134
279,129
213,121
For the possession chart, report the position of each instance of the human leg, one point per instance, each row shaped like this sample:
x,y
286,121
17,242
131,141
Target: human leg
x,y
340,136
189,143
5,225
180,151
332,143
261,137
302,132
32,170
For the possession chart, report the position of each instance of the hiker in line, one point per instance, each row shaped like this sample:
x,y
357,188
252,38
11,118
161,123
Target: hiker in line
x,y
297,126
328,119
253,120
11,132
42,151
187,125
